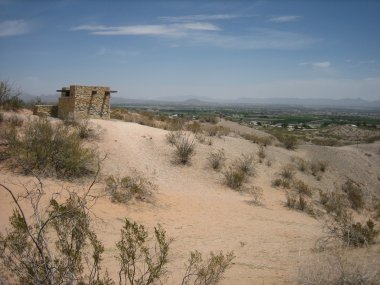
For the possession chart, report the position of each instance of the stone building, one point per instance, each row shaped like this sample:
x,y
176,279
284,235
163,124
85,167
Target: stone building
x,y
78,102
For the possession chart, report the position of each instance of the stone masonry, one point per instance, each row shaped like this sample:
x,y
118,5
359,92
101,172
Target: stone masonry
x,y
78,102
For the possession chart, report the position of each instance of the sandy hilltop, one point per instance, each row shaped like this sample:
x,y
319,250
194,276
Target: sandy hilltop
x,y
196,208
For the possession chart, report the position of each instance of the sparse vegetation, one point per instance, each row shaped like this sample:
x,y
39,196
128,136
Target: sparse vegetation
x,y
317,167
302,188
261,153
343,228
9,97
138,263
216,159
288,141
287,172
56,245
335,203
51,150
257,194
337,267
185,146
354,194
217,131
134,186
234,177
260,140
245,164
208,272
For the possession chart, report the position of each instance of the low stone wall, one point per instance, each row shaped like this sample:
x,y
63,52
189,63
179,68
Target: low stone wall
x,y
45,110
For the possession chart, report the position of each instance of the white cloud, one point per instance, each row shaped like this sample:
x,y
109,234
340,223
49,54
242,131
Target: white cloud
x,y
201,17
202,33
13,27
318,64
284,19
257,39
147,30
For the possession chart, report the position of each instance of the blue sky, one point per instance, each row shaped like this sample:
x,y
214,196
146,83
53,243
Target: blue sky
x,y
205,49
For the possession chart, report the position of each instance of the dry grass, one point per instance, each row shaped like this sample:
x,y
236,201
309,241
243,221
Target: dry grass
x,y
338,267
134,186
217,159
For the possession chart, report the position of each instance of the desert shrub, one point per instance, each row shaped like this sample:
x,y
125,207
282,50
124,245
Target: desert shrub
x,y
264,141
245,164
86,130
55,244
298,202
302,165
338,267
291,200
280,182
325,141
217,131
257,194
210,119
172,136
287,173
354,194
140,264
335,203
185,146
288,141
317,166
134,186
194,127
261,153
216,159
343,228
52,150
208,272
234,177
15,121
9,97
302,188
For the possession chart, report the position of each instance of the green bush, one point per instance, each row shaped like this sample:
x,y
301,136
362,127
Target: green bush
x,y
51,150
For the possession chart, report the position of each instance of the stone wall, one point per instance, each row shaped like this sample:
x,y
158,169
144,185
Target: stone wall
x,y
91,101
45,110
66,107
79,102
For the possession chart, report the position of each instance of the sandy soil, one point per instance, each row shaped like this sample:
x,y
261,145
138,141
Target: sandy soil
x,y
201,213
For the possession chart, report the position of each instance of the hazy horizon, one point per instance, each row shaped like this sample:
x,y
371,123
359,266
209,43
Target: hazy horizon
x,y
202,49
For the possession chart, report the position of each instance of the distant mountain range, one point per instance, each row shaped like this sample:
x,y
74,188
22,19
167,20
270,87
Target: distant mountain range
x,y
199,102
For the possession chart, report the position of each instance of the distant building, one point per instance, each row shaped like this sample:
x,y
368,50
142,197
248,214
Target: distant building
x,y
78,102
